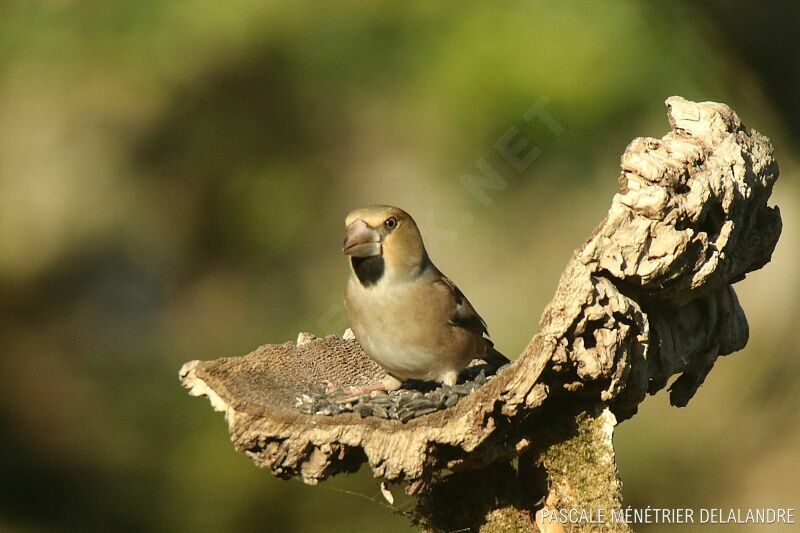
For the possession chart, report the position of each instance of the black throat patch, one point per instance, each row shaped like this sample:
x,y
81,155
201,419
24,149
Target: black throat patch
x,y
368,269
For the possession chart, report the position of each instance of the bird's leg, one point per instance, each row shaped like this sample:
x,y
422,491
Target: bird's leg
x,y
387,384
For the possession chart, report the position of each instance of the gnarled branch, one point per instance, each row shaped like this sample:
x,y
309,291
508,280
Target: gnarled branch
x,y
647,297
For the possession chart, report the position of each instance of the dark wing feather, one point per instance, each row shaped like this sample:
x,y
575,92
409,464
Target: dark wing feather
x,y
463,315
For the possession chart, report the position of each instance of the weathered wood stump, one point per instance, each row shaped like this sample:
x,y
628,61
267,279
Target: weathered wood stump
x,y
647,297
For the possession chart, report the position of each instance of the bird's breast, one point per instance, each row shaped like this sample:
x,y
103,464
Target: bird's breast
x,y
405,327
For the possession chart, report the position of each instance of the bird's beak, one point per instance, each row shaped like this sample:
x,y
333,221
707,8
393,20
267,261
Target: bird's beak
x,y
361,240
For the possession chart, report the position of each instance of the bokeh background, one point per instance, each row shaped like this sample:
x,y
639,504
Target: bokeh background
x,y
174,177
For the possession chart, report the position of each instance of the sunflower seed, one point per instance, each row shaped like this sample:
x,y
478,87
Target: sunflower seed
x,y
426,411
403,404
419,403
363,410
379,411
405,417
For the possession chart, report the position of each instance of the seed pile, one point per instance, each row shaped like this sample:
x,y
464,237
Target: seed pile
x,y
414,399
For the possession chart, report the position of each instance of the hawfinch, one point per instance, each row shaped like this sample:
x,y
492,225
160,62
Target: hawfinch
x,y
407,316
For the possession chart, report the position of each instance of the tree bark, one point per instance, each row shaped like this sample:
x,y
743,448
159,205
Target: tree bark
x,y
647,297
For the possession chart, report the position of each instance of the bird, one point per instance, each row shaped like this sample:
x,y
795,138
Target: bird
x,y
406,315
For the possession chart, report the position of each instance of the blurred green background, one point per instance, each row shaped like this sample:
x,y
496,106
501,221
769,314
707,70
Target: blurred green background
x,y
174,177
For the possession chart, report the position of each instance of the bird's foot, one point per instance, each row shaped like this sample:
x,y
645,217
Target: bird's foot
x,y
387,384
366,389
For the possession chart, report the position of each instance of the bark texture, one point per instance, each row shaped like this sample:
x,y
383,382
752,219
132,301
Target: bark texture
x,y
647,297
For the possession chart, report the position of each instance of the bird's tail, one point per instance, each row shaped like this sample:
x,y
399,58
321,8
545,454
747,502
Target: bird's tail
x,y
493,357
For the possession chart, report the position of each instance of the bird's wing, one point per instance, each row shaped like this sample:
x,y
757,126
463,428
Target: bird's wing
x,y
463,314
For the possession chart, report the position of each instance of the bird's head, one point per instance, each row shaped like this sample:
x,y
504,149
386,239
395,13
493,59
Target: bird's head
x,y
386,240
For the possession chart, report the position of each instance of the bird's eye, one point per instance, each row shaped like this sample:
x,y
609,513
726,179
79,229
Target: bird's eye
x,y
390,223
